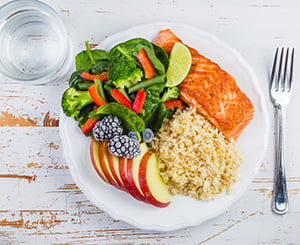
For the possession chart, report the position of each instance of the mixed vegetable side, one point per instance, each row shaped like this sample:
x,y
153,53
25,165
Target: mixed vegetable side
x,y
124,86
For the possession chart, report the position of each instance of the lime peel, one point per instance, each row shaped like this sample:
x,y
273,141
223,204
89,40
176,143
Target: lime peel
x,y
180,64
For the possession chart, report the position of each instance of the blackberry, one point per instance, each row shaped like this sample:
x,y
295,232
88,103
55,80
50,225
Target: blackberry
x,y
107,128
147,135
123,146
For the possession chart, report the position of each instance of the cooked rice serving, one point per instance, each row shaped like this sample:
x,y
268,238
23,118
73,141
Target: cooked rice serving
x,y
195,159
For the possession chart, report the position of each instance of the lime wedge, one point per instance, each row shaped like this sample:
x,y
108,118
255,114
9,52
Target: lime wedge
x,y
180,64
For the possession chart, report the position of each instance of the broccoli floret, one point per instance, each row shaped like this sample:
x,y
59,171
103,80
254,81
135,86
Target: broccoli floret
x,y
123,72
170,94
74,100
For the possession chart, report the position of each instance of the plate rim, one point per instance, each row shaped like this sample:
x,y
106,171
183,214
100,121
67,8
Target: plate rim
x,y
165,228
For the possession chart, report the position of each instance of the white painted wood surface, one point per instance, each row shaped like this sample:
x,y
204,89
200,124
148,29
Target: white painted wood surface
x,y
40,203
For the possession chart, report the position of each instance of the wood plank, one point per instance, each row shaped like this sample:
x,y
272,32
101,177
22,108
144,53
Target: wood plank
x,y
30,106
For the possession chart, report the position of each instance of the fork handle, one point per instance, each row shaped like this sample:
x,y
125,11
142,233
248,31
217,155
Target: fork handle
x,y
280,196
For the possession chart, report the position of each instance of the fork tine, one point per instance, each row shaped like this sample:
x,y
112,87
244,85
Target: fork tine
x,y
291,71
278,83
284,82
274,69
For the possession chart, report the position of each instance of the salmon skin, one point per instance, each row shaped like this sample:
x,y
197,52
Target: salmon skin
x,y
212,91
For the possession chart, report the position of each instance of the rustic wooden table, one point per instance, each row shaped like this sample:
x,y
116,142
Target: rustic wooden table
x,y
41,204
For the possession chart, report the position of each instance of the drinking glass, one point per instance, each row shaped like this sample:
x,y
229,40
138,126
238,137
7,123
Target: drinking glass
x,y
34,45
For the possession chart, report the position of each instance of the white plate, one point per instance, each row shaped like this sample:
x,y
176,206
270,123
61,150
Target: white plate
x,y
183,211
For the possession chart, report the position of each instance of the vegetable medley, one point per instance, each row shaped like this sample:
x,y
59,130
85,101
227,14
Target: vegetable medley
x,y
127,82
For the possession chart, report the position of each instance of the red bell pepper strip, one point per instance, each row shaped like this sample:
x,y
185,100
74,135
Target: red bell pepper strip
x,y
173,103
145,62
118,96
103,76
95,96
92,77
139,101
89,124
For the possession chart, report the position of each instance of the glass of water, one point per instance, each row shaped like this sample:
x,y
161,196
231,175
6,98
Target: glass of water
x,y
34,45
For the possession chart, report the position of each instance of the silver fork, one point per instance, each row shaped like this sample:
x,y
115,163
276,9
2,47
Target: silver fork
x,y
280,93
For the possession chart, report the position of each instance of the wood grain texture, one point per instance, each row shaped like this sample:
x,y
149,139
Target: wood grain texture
x,y
41,204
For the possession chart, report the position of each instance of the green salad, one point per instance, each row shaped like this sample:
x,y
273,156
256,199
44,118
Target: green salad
x,y
128,81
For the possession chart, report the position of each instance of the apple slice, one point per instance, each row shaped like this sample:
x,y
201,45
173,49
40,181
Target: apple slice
x,y
123,174
104,161
114,167
95,158
152,185
133,173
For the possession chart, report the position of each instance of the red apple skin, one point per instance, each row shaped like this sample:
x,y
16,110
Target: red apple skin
x,y
144,182
105,163
140,196
95,158
123,174
114,172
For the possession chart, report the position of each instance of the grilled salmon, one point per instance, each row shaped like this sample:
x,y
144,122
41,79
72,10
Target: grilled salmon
x,y
212,91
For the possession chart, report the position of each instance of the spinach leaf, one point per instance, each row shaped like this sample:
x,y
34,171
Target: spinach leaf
x,y
153,112
161,55
99,68
83,60
131,47
130,120
79,83
158,117
88,58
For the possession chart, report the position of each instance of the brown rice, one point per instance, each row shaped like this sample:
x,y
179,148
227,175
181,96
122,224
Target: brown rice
x,y
195,159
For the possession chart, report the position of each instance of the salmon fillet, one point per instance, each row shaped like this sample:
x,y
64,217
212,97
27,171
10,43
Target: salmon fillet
x,y
212,91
